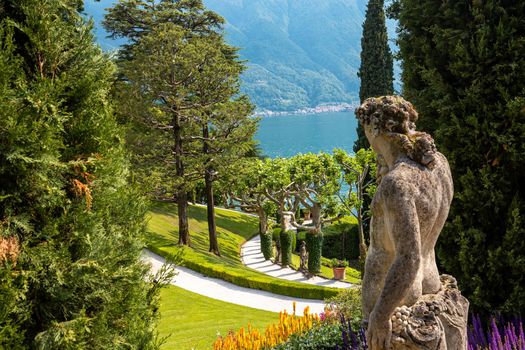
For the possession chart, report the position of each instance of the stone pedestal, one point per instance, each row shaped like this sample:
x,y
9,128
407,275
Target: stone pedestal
x,y
434,322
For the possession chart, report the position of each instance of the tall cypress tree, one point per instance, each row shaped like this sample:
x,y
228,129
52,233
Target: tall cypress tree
x,y
71,226
464,69
376,71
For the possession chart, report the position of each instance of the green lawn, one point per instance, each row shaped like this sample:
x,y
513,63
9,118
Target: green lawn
x,y
233,228
352,275
192,321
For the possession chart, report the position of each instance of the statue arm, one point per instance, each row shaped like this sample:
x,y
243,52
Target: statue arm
x,y
401,215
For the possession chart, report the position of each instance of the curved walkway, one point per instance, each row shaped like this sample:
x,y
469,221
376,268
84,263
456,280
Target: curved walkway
x,y
225,291
252,257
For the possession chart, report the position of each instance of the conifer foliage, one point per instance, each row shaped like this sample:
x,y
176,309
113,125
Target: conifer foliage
x,y
71,226
376,71
464,69
180,87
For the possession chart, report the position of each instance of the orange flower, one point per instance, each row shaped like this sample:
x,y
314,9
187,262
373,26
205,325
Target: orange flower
x,y
274,334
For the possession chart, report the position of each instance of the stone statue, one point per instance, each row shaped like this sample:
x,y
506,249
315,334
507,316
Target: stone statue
x,y
406,303
303,254
278,250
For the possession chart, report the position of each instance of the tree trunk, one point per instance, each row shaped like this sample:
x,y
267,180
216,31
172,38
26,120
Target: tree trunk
x,y
281,210
182,196
263,221
316,217
214,244
210,202
282,223
182,212
343,245
362,244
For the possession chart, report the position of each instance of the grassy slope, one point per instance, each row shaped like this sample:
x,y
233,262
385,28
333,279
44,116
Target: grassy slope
x,y
233,229
192,321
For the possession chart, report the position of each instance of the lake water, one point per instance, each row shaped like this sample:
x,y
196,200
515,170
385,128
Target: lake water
x,y
287,135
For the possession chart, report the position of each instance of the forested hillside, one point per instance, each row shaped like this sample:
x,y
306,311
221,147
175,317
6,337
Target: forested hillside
x,y
301,53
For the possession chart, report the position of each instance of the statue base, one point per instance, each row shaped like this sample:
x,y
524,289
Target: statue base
x,y
435,322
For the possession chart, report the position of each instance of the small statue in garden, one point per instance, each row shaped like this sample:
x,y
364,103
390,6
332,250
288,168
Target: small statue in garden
x,y
303,265
406,303
278,250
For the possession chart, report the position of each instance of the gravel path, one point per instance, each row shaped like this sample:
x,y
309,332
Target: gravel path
x,y
228,292
252,257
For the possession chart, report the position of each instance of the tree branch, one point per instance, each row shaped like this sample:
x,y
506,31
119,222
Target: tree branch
x,y
327,221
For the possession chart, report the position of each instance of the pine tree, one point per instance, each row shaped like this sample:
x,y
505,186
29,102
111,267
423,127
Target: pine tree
x,y
464,69
136,21
376,71
71,226
189,95
227,137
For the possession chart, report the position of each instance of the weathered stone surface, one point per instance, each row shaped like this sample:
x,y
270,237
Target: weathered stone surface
x,y
303,266
405,302
435,321
288,219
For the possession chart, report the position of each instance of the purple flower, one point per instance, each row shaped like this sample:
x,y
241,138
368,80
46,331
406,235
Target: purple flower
x,y
500,335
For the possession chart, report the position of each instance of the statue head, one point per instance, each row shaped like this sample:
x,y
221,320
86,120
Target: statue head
x,y
395,118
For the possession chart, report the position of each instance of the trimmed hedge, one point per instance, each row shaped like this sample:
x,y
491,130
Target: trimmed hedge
x,y
276,234
267,245
287,238
247,278
314,246
333,240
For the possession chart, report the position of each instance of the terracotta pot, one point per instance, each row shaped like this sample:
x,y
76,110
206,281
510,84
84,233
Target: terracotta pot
x,y
339,273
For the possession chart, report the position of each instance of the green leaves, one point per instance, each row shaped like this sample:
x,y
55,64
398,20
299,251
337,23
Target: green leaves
x,y
359,172
78,281
376,72
463,70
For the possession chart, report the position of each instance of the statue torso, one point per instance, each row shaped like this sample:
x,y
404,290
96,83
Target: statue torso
x,y
431,191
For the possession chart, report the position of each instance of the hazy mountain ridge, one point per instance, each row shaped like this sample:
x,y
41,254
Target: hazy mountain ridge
x,y
301,53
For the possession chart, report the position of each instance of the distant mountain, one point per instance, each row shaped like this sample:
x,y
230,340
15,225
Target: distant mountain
x,y
301,53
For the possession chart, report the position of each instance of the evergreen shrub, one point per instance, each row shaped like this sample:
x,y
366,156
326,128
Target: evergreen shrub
x,y
287,239
333,246
253,280
333,241
267,245
314,246
465,77
276,235
73,224
327,336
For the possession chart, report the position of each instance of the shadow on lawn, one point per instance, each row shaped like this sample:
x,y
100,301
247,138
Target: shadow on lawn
x,y
236,222
157,240
230,226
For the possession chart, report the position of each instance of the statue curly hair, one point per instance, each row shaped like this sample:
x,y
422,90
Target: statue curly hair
x,y
396,118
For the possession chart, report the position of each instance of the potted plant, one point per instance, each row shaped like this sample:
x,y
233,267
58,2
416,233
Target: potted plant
x,y
339,268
